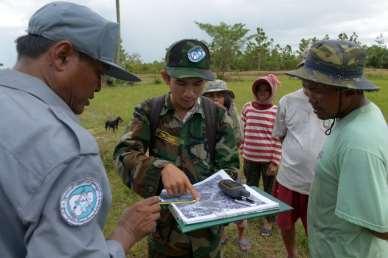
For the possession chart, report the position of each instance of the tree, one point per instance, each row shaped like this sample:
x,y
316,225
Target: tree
x,y
227,41
377,55
258,48
353,37
343,36
288,59
305,44
275,59
130,62
380,40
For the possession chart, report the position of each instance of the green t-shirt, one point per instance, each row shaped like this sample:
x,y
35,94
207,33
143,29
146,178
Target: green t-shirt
x,y
349,194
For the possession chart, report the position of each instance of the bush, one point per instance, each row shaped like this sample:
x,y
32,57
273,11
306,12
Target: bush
x,y
157,81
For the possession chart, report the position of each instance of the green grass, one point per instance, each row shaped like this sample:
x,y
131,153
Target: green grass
x,y
120,100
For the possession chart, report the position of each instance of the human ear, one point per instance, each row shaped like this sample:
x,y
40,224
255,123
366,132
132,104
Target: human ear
x,y
166,78
61,54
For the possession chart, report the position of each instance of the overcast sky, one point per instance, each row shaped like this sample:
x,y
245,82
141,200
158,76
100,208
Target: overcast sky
x,y
148,27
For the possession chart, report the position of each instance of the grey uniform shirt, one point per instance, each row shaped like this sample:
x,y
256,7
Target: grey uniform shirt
x,y
54,193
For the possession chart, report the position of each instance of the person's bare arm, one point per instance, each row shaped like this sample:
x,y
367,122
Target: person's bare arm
x,y
136,222
380,235
176,182
272,169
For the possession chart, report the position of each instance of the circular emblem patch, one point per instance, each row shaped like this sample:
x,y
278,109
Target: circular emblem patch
x,y
81,201
196,54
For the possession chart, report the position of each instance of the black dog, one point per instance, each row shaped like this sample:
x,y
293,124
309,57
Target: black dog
x,y
113,124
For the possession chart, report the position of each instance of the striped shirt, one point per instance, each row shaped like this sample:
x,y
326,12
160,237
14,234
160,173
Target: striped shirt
x,y
258,144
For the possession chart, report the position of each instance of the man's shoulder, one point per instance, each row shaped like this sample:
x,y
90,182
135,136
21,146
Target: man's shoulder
x,y
209,105
152,100
294,95
365,128
42,136
154,103
294,99
85,141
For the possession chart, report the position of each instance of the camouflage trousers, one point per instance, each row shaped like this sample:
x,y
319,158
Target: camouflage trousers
x,y
168,241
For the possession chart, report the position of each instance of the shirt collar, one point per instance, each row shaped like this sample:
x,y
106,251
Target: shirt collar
x,y
197,108
32,85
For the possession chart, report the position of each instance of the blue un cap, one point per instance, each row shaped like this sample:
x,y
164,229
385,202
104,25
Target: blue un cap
x,y
89,32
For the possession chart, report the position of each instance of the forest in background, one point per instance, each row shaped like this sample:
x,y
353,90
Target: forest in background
x,y
235,48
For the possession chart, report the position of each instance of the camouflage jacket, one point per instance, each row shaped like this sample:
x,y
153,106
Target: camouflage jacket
x,y
236,123
175,141
183,144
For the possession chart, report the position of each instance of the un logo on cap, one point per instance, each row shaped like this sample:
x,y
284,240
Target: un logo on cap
x,y
196,54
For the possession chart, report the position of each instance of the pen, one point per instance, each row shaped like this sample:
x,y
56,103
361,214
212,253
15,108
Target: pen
x,y
177,202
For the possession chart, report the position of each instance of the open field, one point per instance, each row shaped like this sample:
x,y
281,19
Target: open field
x,y
120,100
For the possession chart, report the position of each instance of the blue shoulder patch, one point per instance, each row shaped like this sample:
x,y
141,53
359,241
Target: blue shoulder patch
x,y
81,201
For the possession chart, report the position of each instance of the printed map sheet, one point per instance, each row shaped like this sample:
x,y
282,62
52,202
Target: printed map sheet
x,y
215,205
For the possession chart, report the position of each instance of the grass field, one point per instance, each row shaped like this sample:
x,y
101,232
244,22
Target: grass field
x,y
120,100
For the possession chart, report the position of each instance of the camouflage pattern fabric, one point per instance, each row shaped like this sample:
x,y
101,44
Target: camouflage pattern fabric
x,y
167,241
184,145
236,123
337,63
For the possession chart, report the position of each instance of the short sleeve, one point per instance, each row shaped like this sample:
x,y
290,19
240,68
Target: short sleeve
x,y
363,190
280,128
74,199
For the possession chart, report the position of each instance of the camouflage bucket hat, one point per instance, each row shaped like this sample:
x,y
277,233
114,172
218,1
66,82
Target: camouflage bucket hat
x,y
189,58
336,63
218,86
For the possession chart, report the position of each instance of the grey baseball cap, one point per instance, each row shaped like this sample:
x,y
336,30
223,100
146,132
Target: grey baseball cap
x,y
89,32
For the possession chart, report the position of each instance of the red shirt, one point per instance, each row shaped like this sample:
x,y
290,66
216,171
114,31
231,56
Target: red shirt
x,y
258,144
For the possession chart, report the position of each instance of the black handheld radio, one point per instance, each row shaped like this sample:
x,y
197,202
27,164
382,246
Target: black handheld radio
x,y
234,190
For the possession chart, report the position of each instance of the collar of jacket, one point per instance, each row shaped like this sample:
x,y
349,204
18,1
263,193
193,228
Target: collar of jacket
x,y
168,107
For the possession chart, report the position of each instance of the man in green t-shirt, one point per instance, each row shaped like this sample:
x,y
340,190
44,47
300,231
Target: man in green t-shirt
x,y
348,208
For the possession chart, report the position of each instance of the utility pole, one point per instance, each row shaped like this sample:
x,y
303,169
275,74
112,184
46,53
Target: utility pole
x,y
118,22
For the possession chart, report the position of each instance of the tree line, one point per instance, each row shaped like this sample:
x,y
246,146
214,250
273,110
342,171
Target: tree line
x,y
234,49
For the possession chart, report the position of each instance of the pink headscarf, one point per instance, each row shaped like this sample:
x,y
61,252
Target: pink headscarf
x,y
269,79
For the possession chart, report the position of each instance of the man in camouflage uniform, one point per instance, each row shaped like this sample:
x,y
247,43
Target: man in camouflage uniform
x,y
178,150
348,209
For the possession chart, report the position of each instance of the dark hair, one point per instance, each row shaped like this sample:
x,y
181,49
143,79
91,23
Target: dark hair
x,y
32,45
227,100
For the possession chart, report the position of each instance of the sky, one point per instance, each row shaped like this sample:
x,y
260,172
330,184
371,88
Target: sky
x,y
148,27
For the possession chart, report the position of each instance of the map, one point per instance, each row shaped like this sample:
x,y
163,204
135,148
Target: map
x,y
214,204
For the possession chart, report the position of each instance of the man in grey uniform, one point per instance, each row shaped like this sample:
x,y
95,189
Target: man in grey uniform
x,y
54,193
